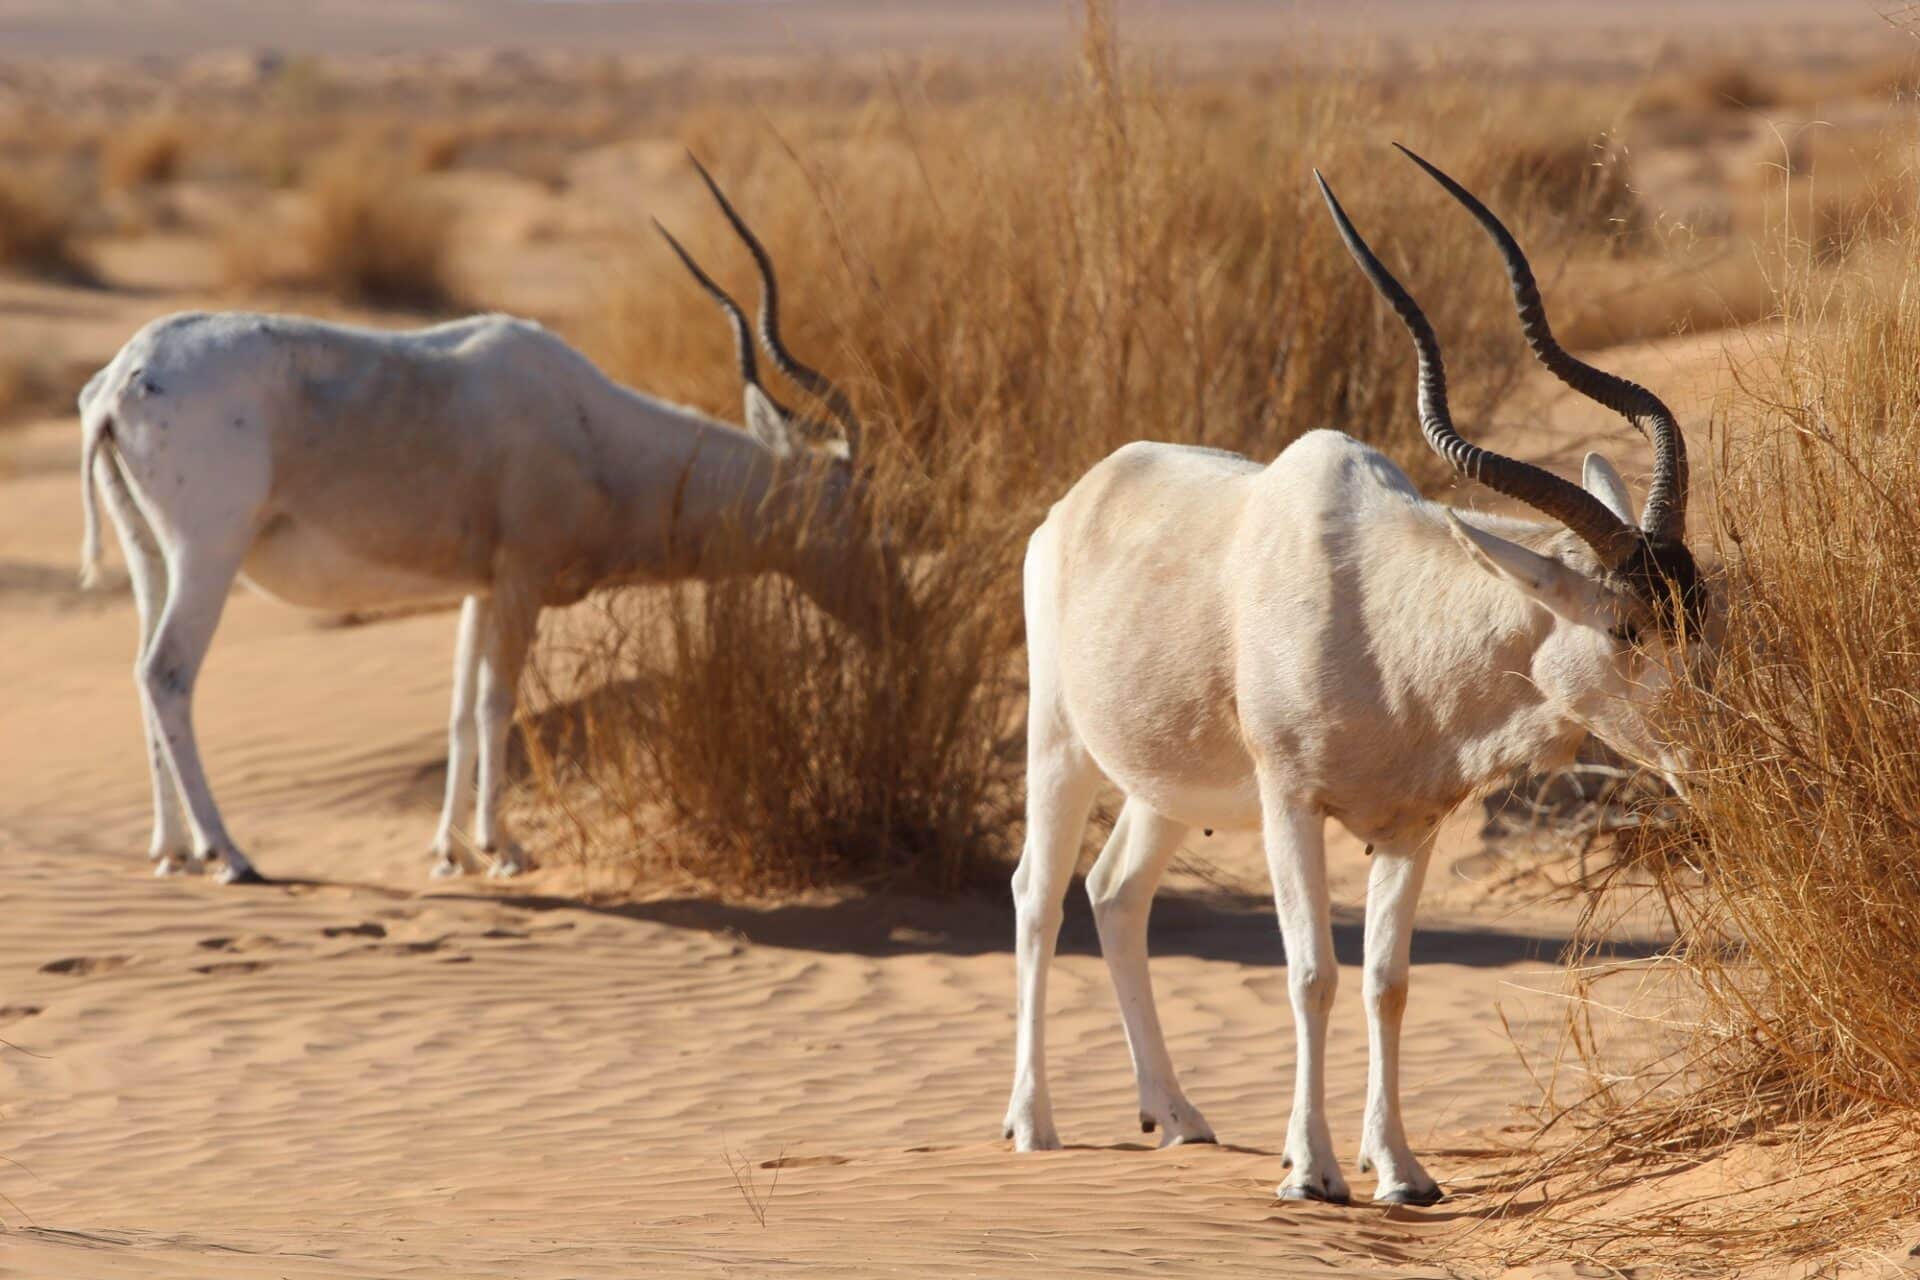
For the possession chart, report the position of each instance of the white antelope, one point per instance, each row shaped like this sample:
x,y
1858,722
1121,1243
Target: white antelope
x,y
339,467
1246,646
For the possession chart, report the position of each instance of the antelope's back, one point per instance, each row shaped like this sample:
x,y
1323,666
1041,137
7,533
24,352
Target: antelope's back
x,y
1129,620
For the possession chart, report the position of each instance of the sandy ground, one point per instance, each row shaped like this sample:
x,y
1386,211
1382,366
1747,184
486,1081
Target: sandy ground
x,y
351,1073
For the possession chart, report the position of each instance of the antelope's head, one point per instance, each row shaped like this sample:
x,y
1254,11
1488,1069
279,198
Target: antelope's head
x,y
819,507
1625,593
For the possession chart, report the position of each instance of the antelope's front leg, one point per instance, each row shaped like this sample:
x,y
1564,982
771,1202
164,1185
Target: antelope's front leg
x,y
1393,891
476,621
1297,861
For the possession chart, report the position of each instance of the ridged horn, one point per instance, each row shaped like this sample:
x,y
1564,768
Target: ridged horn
x,y
1612,540
736,319
815,383
1664,516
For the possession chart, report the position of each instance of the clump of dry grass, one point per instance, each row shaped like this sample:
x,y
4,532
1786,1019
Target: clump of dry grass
x,y
373,236
36,382
1720,86
143,153
742,740
1020,284
1792,1062
39,222
437,147
367,233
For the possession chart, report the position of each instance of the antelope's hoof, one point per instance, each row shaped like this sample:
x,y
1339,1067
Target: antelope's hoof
x,y
244,873
1032,1137
1179,1125
1191,1140
1411,1195
1295,1191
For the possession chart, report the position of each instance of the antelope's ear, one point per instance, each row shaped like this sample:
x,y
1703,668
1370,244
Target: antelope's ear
x,y
1600,479
1545,579
768,425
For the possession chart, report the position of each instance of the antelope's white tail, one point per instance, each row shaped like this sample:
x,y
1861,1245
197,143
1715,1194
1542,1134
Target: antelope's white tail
x,y
93,435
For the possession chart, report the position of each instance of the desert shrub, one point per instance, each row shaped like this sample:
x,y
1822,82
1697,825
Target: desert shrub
x,y
1794,888
367,233
1719,86
39,222
373,236
737,738
437,148
1015,285
142,153
34,382
1896,77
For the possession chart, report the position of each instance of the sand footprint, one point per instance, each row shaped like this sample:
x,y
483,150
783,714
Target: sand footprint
x,y
803,1162
246,942
85,966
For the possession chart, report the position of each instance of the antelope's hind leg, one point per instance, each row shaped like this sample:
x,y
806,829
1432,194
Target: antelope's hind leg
x,y
1061,778
200,578
1121,886
172,843
201,510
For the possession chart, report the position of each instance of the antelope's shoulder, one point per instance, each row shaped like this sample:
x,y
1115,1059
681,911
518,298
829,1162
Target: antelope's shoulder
x,y
1332,469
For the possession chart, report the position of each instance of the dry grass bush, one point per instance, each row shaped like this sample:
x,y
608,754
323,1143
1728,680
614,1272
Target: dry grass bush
x,y
39,222
1690,290
33,383
740,740
1019,284
1794,1062
437,148
367,234
144,153
374,236
1722,86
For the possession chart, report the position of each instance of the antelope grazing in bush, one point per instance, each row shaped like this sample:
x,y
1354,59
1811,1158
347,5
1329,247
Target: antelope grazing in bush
x,y
1242,646
340,467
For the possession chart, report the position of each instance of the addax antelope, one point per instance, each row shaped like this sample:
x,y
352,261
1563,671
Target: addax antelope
x,y
339,467
1244,646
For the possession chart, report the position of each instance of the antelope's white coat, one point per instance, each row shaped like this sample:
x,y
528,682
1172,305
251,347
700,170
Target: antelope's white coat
x,y
1237,646
341,467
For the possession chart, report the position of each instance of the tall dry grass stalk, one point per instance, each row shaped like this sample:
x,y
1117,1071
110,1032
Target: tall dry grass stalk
x,y
1785,1071
1017,283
